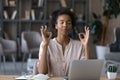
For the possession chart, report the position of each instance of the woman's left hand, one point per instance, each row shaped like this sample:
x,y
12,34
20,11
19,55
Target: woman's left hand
x,y
84,36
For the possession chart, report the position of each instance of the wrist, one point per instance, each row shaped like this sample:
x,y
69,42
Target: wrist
x,y
86,51
44,45
85,45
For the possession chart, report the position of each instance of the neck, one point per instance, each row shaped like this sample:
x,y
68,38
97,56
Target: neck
x,y
63,40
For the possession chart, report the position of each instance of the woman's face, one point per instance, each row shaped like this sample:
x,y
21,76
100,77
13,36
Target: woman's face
x,y
64,24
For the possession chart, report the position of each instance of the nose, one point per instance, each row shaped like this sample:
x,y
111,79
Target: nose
x,y
64,24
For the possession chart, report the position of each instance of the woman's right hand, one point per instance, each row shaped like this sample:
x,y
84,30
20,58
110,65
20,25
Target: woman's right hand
x,y
46,36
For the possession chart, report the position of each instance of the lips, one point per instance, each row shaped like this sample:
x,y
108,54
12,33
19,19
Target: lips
x,y
65,31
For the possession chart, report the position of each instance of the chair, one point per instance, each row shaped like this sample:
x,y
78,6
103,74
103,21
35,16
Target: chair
x,y
30,43
1,54
115,46
114,54
8,48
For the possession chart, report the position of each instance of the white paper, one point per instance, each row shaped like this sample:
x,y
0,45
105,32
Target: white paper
x,y
35,77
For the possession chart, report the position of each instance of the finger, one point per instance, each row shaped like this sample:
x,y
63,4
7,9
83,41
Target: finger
x,y
81,35
45,29
87,34
87,31
50,35
41,29
85,28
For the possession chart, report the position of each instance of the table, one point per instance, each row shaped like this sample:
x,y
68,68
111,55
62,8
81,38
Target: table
x,y
102,78
8,77
12,77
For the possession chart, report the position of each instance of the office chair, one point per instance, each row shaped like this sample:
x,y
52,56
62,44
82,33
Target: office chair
x,y
1,55
30,43
8,48
115,46
114,54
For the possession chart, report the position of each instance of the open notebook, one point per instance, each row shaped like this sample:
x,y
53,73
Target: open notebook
x,y
33,77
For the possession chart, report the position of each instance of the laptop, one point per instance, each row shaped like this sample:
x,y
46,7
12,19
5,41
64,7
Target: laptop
x,y
85,69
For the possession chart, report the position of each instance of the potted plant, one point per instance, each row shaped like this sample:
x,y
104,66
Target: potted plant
x,y
112,71
100,26
111,10
96,29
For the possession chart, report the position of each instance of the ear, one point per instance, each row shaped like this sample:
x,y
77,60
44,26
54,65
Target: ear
x,y
56,26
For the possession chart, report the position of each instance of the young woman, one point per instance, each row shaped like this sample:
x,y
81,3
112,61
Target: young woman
x,y
56,55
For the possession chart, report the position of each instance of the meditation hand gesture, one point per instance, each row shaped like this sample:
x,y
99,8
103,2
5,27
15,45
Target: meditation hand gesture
x,y
84,36
46,36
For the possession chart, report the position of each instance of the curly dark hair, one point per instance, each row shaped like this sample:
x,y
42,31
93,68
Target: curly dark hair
x,y
54,16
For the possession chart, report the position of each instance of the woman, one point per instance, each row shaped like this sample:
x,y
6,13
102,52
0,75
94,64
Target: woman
x,y
56,55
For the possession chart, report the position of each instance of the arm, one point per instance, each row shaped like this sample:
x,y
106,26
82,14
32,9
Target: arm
x,y
86,52
84,40
42,66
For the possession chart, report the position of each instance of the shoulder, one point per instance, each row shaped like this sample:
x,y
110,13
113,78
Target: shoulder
x,y
73,41
51,41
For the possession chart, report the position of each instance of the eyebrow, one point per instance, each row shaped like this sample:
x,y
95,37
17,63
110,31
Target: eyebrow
x,y
63,20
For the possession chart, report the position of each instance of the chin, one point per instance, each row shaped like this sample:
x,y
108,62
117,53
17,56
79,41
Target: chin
x,y
65,34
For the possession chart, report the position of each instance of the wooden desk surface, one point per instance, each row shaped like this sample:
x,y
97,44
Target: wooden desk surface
x,y
12,77
102,78
8,77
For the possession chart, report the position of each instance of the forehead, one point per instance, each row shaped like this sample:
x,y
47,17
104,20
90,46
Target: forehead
x,y
64,17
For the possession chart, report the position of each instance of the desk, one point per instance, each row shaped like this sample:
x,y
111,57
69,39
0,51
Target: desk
x,y
12,77
8,77
102,78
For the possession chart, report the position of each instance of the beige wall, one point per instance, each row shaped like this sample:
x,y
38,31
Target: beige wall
x,y
97,7
113,23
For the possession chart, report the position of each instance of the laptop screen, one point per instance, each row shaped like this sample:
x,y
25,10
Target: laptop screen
x,y
85,69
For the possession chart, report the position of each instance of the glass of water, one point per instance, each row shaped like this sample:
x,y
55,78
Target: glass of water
x,y
27,75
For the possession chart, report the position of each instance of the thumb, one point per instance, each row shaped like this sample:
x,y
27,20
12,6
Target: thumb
x,y
50,35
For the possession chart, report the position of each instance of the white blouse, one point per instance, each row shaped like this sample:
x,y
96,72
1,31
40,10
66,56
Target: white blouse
x,y
58,64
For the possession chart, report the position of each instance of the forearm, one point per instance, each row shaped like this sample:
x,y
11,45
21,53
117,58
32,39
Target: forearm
x,y
42,66
86,52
